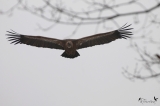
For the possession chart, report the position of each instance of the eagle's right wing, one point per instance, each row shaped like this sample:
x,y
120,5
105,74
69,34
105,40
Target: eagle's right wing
x,y
102,38
37,41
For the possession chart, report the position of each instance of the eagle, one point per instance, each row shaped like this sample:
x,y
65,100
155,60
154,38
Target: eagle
x,y
70,46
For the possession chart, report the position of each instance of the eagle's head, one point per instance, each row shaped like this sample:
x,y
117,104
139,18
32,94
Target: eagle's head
x,y
69,44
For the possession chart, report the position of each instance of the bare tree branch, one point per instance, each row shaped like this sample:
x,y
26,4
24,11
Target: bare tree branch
x,y
59,15
95,14
10,10
148,62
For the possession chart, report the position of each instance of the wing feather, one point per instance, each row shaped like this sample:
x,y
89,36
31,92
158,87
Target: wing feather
x,y
37,41
102,38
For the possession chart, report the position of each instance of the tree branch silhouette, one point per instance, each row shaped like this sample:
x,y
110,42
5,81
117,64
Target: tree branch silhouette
x,y
61,15
150,63
95,14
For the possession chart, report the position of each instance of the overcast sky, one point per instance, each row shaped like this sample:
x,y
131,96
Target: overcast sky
x,y
31,76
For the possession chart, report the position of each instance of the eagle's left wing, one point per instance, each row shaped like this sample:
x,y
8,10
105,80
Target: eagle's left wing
x,y
103,38
37,41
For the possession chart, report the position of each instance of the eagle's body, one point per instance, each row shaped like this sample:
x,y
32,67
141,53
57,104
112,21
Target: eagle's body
x,y
70,45
70,48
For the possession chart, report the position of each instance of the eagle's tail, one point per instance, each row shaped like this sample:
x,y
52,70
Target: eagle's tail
x,y
70,56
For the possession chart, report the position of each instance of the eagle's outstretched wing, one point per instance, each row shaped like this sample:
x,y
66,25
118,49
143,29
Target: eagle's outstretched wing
x,y
103,38
37,41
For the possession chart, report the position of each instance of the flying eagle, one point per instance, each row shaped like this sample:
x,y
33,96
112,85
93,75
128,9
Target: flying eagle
x,y
70,45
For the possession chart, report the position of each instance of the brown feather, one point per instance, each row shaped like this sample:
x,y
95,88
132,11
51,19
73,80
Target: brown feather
x,y
37,41
70,45
103,38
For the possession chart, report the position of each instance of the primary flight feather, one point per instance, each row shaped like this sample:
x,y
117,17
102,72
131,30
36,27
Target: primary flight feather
x,y
70,45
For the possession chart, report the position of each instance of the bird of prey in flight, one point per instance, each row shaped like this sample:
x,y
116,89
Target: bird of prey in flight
x,y
70,46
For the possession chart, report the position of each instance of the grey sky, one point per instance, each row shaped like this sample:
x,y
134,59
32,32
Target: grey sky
x,y
31,76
